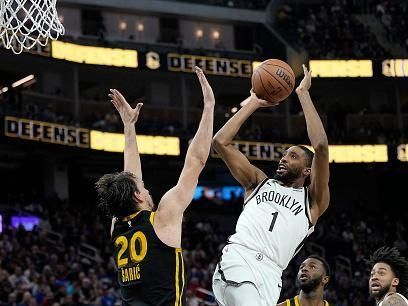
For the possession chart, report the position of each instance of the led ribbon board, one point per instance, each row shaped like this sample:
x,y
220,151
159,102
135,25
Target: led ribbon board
x,y
341,68
94,55
266,151
84,138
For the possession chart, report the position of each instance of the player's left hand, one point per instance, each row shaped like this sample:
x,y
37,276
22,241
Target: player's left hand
x,y
306,82
205,87
128,114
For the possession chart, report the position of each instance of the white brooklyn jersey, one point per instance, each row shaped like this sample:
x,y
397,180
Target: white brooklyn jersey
x,y
403,297
275,221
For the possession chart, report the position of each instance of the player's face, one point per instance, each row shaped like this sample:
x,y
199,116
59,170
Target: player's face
x,y
311,275
144,196
382,279
291,165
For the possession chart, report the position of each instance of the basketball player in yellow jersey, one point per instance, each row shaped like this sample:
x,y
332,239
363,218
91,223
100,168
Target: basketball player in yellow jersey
x,y
388,283
147,244
279,212
312,278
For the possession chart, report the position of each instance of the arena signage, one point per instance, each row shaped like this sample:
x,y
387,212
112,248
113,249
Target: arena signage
x,y
402,152
338,153
259,150
115,142
84,138
210,65
94,55
395,68
46,132
341,68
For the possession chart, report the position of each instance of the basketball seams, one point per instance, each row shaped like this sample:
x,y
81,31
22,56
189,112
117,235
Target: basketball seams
x,y
263,86
282,84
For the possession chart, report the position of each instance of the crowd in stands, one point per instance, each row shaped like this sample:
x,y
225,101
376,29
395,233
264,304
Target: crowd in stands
x,y
392,15
328,30
244,4
47,266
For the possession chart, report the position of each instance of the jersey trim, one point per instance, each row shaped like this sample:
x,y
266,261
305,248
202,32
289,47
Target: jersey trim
x,y
182,278
130,217
307,207
151,218
179,278
297,301
255,191
176,281
231,282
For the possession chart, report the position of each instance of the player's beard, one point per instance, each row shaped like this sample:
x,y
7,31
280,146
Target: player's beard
x,y
381,293
309,285
289,176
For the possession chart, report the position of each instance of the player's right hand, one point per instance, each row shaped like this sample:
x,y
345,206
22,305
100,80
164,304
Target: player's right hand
x,y
128,114
261,102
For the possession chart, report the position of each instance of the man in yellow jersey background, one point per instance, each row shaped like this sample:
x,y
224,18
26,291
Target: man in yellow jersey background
x,y
312,278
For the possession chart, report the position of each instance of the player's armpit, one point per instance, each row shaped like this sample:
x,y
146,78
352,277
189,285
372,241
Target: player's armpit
x,y
394,300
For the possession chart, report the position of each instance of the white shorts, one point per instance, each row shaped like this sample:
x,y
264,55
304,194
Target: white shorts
x,y
240,265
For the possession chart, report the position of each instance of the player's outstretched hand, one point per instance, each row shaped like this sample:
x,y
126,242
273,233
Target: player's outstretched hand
x,y
128,114
306,82
205,87
260,102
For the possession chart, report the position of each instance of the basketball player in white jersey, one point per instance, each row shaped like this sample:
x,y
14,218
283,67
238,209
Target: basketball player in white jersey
x,y
388,283
279,213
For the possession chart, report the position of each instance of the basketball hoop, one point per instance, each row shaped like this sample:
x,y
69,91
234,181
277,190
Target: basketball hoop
x,y
24,23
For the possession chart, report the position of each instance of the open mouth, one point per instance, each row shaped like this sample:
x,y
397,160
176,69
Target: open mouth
x,y
281,168
375,287
304,277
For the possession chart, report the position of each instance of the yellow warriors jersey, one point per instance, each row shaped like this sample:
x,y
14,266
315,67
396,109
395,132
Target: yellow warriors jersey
x,y
296,302
149,271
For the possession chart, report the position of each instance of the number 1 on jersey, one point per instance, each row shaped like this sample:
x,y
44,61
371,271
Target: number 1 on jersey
x,y
275,215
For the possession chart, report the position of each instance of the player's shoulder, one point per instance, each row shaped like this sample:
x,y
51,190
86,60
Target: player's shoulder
x,y
394,299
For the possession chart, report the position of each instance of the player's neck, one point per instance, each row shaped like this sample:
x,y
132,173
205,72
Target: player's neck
x,y
313,298
295,184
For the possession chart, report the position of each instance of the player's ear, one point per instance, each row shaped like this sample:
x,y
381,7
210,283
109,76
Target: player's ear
x,y
325,280
138,197
395,282
307,171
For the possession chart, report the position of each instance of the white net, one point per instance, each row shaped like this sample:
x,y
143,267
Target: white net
x,y
24,23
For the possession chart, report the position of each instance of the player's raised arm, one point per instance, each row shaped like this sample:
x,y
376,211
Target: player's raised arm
x,y
176,200
243,171
129,118
319,186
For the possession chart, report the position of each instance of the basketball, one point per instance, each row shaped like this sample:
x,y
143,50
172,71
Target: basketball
x,y
273,80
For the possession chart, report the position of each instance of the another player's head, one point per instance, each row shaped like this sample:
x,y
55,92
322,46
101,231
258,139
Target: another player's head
x,y
313,274
389,273
120,195
295,165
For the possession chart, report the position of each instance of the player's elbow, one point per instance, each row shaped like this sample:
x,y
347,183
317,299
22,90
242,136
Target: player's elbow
x,y
218,141
322,146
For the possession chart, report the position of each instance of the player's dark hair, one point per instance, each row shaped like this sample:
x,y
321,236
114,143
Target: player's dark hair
x,y
309,159
398,264
116,194
324,263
